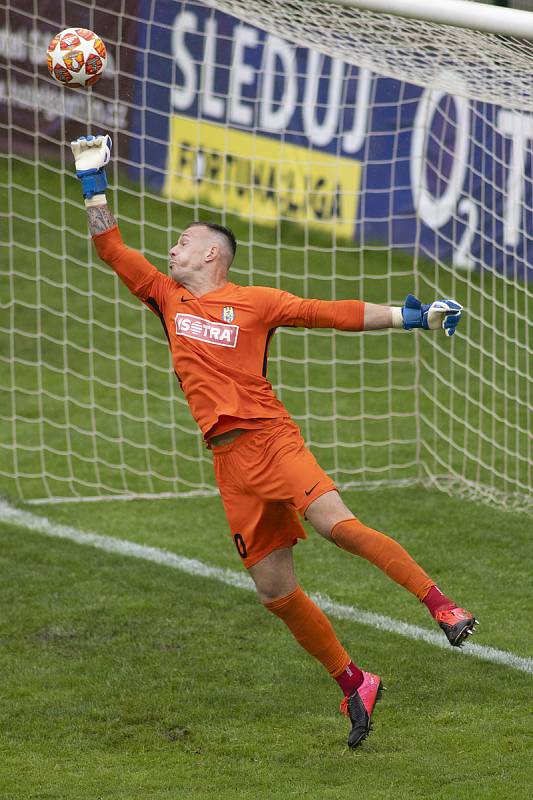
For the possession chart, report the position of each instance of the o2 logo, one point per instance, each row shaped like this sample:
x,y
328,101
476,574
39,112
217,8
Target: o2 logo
x,y
470,168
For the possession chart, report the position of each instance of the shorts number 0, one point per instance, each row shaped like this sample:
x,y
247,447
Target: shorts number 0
x,y
240,545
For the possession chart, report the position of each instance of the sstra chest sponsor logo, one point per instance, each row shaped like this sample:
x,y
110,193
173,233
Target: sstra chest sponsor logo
x,y
205,330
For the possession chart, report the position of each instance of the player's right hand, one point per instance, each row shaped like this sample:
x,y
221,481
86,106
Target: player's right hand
x,y
91,154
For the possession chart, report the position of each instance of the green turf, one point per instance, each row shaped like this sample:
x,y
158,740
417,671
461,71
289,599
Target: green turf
x,y
88,403
124,679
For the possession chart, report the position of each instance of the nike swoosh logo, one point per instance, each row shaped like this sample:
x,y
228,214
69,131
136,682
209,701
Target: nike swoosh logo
x,y
311,489
186,299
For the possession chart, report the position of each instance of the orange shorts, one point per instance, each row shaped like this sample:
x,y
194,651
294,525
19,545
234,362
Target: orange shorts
x,y
265,477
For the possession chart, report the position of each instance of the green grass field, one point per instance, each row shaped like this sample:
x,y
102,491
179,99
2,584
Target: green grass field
x,y
127,679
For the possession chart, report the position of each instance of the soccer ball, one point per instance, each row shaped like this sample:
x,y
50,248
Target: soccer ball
x,y
76,57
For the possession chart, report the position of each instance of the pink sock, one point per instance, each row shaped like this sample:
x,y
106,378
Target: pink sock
x,y
435,601
351,679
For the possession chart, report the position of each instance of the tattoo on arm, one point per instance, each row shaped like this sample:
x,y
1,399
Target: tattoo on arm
x,y
100,219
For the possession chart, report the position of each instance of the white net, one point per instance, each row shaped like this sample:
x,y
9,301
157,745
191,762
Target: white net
x,y
484,66
355,155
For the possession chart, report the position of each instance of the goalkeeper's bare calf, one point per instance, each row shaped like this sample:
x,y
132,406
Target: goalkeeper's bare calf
x,y
218,333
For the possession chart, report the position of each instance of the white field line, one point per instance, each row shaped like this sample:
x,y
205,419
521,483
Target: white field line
x,y
37,524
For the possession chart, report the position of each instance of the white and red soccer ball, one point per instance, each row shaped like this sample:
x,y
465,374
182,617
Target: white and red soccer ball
x,y
76,57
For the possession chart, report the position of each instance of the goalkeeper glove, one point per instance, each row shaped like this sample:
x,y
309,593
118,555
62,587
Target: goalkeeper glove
x,y
439,314
91,154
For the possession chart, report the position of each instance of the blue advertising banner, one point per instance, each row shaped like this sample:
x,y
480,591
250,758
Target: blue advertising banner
x,y
233,116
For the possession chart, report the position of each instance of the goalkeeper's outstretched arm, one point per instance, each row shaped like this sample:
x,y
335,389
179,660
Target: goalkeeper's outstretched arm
x,y
100,218
377,317
92,154
283,308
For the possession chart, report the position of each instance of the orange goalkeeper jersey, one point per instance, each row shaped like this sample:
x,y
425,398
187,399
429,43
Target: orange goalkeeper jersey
x,y
219,341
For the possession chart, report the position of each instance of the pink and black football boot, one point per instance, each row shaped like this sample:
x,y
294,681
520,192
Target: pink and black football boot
x,y
457,623
359,706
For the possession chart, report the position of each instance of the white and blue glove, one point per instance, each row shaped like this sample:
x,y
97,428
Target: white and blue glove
x,y
439,314
91,154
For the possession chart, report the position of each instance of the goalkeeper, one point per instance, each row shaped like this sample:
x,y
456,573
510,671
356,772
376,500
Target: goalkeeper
x,y
218,334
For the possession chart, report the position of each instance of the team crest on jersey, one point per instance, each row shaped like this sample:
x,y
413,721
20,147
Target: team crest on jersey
x,y
228,313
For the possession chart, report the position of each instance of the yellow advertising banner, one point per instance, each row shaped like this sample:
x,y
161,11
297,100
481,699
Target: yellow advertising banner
x,y
260,178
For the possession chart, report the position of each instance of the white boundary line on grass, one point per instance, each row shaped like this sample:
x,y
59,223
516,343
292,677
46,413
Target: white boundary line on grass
x,y
37,524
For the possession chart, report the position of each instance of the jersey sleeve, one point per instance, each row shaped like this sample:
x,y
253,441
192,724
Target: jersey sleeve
x,y
142,279
283,308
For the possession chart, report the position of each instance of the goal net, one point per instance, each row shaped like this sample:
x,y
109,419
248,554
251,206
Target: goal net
x,y
355,153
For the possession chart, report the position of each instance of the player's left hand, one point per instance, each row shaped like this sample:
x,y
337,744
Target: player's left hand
x,y
439,314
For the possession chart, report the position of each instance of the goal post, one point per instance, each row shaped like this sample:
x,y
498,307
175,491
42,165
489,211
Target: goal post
x,y
358,149
475,16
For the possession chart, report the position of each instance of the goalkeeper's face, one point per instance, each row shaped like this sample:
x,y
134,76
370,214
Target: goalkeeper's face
x,y
198,252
